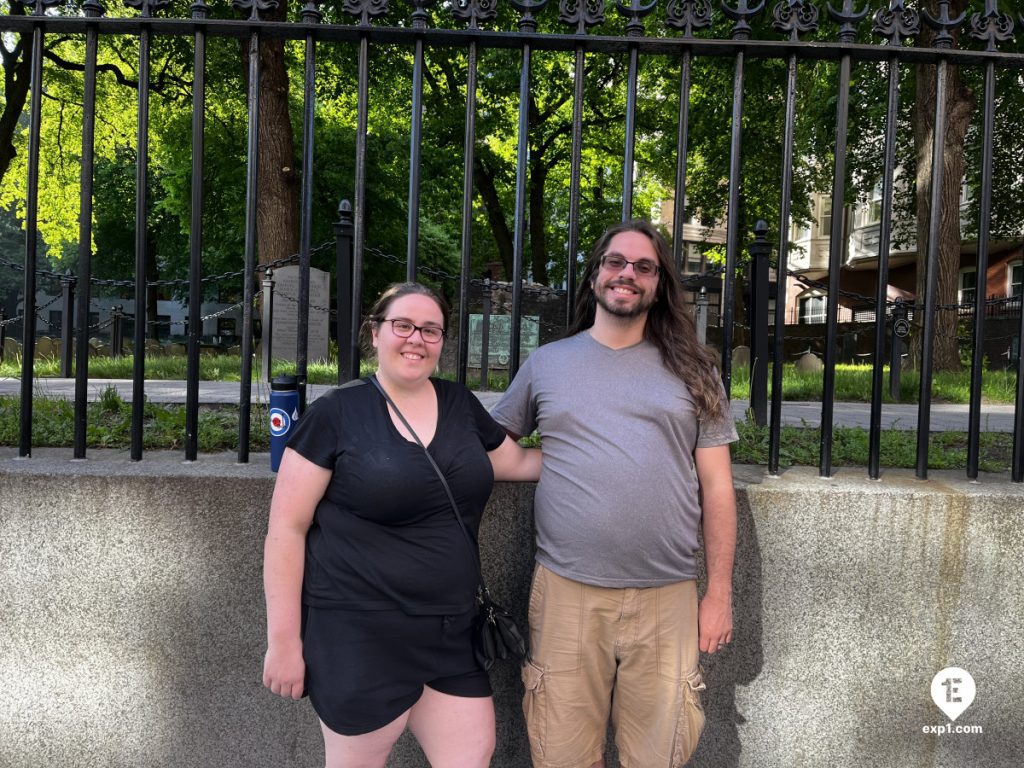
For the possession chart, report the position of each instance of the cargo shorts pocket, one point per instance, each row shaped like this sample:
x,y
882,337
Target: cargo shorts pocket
x,y
690,722
534,707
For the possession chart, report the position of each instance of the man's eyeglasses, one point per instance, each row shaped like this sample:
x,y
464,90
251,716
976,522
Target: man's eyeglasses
x,y
403,329
642,267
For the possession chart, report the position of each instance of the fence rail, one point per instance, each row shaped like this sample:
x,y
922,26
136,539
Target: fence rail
x,y
795,35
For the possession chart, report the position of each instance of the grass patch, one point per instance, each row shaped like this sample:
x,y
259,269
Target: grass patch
x,y
853,382
211,368
853,385
109,426
109,420
800,446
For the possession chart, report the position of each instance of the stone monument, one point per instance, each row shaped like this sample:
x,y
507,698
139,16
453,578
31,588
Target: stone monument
x,y
284,325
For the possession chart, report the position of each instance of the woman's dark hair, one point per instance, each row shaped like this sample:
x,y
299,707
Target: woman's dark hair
x,y
395,291
669,325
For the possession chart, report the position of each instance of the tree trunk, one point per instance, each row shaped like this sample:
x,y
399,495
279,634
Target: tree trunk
x,y
484,178
17,73
277,201
538,218
959,106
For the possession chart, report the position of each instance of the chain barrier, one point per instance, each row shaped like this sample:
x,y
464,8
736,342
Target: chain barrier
x,y
440,274
282,262
293,300
696,280
10,320
39,317
219,312
689,281
100,326
841,334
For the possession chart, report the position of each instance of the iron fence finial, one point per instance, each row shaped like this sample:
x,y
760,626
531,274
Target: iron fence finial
x,y
795,17
474,11
365,9
311,12
688,15
527,23
848,18
991,27
581,13
742,14
896,23
635,11
147,7
943,25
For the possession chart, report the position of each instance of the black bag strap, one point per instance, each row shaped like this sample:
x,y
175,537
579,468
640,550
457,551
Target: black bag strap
x,y
440,475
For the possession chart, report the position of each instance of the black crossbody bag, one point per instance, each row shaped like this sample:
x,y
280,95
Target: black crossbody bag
x,y
495,634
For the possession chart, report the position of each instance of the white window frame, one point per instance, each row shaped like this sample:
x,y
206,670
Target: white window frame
x,y
965,293
691,254
1015,283
819,314
824,222
871,211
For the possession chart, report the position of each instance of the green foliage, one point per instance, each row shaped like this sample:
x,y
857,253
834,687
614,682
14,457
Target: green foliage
x,y
109,425
550,114
853,385
800,446
853,382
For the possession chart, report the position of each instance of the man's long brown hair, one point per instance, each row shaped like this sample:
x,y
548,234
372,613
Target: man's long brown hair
x,y
669,325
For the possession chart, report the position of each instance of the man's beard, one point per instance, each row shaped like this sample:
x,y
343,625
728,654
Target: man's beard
x,y
624,311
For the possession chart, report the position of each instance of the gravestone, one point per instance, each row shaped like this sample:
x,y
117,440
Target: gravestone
x,y
809,363
44,347
741,357
284,325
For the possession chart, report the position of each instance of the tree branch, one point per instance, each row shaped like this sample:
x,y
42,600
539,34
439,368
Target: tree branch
x,y
156,86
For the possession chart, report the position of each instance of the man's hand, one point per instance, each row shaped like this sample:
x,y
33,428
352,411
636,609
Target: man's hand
x,y
714,621
714,616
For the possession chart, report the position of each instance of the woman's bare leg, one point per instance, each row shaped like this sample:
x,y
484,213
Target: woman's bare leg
x,y
454,731
367,750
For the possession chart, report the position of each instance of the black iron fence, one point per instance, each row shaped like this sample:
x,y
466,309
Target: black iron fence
x,y
888,42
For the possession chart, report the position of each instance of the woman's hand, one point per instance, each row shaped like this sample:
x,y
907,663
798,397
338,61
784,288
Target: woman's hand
x,y
284,670
300,486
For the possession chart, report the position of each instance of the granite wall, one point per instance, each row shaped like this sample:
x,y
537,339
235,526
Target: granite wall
x,y
132,628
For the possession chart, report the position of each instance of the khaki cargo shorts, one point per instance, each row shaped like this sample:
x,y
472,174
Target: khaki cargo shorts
x,y
626,654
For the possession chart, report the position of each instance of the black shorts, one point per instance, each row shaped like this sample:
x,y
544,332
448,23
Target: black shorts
x,y
365,668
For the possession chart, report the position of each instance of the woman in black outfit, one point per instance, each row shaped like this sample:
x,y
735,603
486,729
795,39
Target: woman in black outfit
x,y
369,582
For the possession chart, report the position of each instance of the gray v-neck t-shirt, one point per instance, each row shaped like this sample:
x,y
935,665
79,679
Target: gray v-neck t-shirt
x,y
618,502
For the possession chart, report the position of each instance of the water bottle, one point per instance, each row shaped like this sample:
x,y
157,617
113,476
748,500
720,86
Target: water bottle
x,y
284,413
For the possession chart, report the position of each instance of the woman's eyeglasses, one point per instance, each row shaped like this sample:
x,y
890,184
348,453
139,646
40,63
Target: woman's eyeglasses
x,y
642,267
403,329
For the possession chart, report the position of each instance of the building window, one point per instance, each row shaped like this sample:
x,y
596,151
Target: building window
x,y
1016,273
871,212
812,308
694,259
825,218
968,285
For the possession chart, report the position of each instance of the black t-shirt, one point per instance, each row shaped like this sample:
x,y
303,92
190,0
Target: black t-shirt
x,y
384,534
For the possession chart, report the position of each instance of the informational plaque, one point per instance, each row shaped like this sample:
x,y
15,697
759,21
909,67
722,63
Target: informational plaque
x,y
499,339
284,324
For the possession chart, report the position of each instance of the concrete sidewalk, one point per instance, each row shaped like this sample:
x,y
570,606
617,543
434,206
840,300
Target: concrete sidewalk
x,y
944,417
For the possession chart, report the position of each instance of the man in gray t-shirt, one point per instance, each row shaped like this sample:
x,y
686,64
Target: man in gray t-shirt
x,y
635,428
